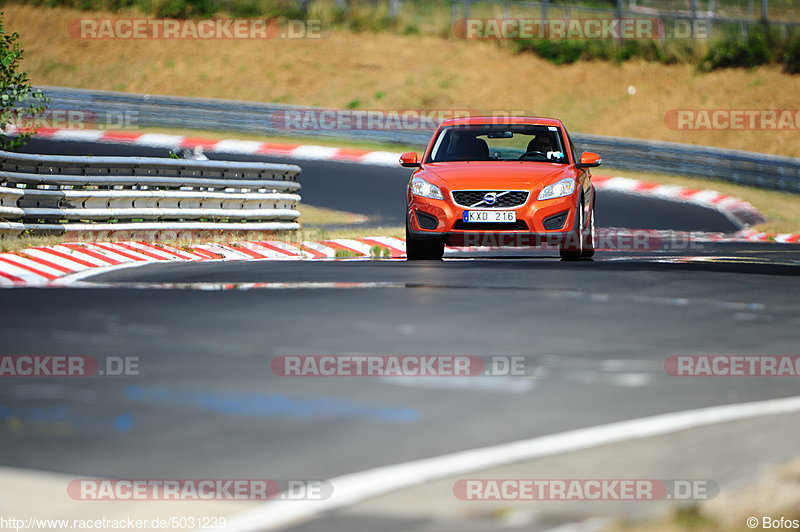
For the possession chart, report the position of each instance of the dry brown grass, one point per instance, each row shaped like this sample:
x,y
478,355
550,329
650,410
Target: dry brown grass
x,y
391,71
311,215
775,495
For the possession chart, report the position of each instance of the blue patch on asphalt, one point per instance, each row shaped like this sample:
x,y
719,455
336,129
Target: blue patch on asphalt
x,y
63,414
264,405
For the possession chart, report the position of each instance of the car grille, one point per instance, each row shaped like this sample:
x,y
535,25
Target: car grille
x,y
505,198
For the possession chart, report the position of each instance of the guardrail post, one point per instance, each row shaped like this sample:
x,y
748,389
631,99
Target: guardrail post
x,y
394,8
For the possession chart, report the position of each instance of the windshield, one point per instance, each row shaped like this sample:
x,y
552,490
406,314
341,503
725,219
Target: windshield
x,y
511,142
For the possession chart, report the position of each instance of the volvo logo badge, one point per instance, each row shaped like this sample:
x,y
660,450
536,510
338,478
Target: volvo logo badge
x,y
490,198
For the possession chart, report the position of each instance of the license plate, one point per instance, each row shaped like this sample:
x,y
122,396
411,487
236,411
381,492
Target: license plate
x,y
489,216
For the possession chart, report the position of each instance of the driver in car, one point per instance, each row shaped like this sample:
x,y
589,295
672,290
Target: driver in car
x,y
542,144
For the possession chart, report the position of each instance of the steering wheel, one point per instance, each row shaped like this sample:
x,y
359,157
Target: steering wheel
x,y
532,153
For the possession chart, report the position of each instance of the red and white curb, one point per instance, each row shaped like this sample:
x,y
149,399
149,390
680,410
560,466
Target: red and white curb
x,y
249,147
68,262
740,212
53,265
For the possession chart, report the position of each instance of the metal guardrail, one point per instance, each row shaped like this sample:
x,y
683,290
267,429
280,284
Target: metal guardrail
x,y
60,194
746,168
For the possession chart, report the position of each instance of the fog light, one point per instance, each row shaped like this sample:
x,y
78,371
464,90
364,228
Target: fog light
x,y
556,222
426,221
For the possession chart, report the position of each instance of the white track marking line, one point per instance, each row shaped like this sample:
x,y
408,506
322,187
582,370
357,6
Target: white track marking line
x,y
314,152
381,158
237,146
356,487
85,274
86,135
158,140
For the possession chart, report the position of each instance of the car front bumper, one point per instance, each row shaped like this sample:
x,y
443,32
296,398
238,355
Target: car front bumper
x,y
441,219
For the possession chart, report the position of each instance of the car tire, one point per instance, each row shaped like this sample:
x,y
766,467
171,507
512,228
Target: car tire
x,y
588,240
417,249
573,248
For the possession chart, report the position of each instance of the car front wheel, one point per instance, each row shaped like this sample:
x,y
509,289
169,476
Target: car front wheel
x,y
417,249
572,249
588,238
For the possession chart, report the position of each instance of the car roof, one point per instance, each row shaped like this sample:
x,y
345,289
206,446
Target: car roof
x,y
495,120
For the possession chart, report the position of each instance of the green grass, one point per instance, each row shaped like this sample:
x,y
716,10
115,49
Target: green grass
x,y
346,253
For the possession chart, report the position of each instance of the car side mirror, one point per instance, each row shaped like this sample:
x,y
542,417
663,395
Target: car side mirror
x,y
409,159
589,160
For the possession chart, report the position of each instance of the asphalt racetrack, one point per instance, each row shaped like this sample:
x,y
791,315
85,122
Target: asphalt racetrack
x,y
595,335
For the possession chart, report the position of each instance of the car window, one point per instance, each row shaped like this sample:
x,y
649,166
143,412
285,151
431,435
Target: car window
x,y
499,143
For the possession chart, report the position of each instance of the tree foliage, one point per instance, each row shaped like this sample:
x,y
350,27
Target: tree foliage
x,y
20,104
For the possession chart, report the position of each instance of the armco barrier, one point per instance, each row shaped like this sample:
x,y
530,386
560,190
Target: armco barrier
x,y
747,168
60,194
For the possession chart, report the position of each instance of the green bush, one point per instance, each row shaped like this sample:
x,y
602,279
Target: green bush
x,y
287,9
791,57
186,9
19,102
758,48
557,52
246,9
562,52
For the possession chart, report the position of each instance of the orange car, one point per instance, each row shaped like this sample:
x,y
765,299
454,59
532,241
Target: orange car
x,y
492,182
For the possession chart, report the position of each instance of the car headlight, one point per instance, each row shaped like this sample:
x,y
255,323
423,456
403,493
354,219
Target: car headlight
x,y
565,187
420,187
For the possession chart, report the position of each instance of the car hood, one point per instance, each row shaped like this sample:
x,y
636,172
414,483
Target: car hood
x,y
499,175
